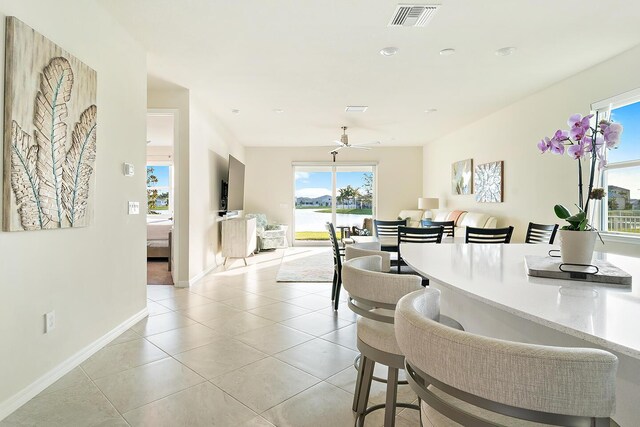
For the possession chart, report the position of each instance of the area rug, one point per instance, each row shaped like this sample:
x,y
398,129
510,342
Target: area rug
x,y
306,266
158,273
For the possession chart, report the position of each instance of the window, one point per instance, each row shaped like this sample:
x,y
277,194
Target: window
x,y
160,190
620,210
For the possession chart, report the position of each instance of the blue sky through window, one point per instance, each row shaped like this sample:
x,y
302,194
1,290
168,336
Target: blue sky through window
x,y
629,148
316,184
162,173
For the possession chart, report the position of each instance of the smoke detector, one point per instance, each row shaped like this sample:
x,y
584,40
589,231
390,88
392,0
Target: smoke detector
x,y
413,15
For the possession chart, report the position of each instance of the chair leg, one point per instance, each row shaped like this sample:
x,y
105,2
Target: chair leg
x,y
337,295
335,283
392,395
363,385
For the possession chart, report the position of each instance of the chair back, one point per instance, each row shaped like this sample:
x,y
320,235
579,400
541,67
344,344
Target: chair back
x,y
352,252
387,228
337,259
449,226
541,233
370,289
417,235
527,381
488,235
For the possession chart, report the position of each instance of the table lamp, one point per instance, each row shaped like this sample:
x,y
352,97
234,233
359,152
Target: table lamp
x,y
428,203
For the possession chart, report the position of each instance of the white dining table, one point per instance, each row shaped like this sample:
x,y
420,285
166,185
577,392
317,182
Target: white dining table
x,y
486,288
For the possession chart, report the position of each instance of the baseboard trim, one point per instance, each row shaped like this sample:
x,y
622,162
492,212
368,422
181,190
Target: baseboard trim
x,y
200,275
23,396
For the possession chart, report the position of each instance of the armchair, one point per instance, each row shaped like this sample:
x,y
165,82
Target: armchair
x,y
270,236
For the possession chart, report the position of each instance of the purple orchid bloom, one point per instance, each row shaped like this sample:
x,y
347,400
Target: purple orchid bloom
x,y
575,120
579,126
602,164
544,145
555,146
561,135
612,135
588,144
576,151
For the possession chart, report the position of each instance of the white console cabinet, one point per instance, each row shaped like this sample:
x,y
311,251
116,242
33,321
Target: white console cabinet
x,y
238,238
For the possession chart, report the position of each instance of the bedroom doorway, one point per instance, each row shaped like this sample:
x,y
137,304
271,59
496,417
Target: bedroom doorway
x,y
161,201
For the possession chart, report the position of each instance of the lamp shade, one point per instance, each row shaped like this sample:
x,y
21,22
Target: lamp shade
x,y
428,203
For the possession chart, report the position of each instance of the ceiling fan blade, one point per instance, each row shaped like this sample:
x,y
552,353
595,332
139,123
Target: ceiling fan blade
x,y
367,143
338,142
359,147
336,149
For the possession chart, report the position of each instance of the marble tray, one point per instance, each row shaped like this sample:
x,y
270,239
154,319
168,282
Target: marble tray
x,y
545,266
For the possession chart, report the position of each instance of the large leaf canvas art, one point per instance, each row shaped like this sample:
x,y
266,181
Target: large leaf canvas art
x,y
50,125
461,180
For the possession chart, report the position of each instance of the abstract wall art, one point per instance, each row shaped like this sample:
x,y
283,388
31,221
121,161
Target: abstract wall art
x,y
461,177
50,125
489,182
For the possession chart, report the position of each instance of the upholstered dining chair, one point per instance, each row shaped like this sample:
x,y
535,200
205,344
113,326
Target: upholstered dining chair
x,y
338,254
541,233
417,235
488,235
373,296
449,226
352,252
496,382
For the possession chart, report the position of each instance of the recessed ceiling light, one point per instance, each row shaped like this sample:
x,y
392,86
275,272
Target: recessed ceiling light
x,y
235,111
278,110
447,52
431,110
388,51
505,51
356,108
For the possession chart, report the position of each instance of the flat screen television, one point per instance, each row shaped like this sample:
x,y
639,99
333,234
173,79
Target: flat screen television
x,y
232,194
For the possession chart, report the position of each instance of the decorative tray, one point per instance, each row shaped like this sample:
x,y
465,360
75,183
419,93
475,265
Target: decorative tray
x,y
600,272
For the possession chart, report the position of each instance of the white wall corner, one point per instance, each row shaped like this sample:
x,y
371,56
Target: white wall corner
x,y
32,390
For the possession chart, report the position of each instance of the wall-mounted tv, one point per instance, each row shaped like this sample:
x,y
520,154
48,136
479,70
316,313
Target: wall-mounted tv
x,y
232,192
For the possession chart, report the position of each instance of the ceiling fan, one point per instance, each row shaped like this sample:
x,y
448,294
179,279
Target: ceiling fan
x,y
344,143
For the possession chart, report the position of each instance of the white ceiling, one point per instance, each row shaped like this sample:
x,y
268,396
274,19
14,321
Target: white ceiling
x,y
312,58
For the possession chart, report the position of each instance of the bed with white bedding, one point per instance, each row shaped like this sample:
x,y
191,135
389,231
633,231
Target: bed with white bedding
x,y
159,237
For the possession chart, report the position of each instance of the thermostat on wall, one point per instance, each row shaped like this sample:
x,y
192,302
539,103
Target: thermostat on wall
x,y
127,169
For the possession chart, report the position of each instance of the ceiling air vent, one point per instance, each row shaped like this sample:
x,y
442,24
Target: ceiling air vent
x,y
412,15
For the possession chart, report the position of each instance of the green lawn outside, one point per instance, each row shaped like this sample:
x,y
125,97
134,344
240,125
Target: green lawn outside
x,y
310,207
315,235
160,208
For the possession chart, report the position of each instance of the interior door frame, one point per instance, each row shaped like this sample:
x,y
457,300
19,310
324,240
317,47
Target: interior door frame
x,y
334,166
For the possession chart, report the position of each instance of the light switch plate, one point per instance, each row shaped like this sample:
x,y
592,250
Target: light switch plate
x,y
134,208
127,169
49,321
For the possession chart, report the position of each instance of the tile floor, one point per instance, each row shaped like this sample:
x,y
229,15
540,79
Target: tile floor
x,y
236,349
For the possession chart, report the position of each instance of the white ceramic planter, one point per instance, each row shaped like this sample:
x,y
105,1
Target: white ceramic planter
x,y
576,247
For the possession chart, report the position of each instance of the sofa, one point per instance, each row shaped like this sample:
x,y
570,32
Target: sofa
x,y
464,220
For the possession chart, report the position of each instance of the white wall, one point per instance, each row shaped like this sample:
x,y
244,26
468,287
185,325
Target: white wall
x,y
209,149
533,183
94,277
269,178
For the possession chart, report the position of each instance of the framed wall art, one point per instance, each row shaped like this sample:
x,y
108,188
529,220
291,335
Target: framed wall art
x,y
50,125
461,177
489,182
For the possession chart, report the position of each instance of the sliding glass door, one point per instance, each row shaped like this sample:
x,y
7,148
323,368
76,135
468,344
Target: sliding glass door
x,y
341,194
